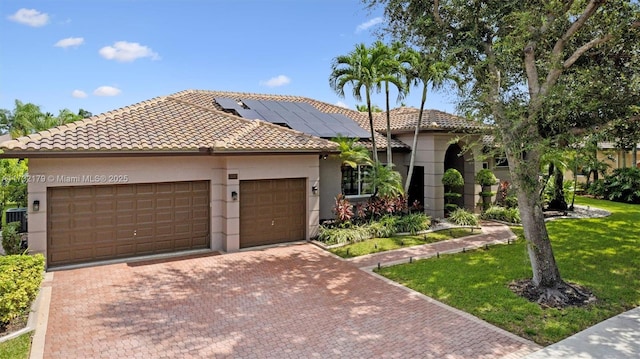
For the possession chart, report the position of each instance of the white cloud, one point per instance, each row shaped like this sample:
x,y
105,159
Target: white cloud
x,y
30,17
106,91
79,94
123,51
341,104
365,25
276,81
70,42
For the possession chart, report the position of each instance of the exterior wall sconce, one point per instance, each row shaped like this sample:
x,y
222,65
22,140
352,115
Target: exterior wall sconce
x,y
36,205
314,189
234,195
324,156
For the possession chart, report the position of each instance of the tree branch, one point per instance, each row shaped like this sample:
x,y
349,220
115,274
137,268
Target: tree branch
x,y
558,48
584,48
532,71
436,12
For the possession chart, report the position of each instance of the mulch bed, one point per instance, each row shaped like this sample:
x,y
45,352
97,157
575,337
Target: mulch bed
x,y
16,324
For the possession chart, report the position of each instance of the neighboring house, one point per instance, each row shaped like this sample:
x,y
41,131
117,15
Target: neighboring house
x,y
215,170
616,158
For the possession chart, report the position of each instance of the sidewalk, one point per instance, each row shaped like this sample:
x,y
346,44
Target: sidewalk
x,y
615,338
492,233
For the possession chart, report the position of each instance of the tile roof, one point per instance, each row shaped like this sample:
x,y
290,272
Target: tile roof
x,y
183,122
405,119
191,120
205,98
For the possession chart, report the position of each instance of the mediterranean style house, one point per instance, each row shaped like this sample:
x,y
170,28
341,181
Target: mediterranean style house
x,y
215,170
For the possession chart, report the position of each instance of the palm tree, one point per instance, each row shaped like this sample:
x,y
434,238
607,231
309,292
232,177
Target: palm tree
x,y
352,154
22,119
392,72
361,68
422,68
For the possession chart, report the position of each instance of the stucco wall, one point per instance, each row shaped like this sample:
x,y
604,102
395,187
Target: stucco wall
x,y
330,178
225,231
430,154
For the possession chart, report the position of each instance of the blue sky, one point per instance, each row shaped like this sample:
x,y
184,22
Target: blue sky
x,y
102,55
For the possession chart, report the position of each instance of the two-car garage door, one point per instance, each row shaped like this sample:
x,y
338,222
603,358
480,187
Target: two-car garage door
x,y
91,223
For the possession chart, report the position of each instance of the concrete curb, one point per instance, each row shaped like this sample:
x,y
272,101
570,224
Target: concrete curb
x,y
37,344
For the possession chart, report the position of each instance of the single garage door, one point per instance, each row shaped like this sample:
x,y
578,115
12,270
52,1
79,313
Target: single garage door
x,y
91,223
272,211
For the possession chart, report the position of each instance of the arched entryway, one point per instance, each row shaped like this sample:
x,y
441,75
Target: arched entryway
x,y
463,162
454,158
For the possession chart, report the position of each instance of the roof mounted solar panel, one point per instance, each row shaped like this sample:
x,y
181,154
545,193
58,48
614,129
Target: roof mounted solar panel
x,y
271,116
250,114
255,105
227,103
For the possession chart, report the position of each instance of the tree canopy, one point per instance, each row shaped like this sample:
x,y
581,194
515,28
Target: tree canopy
x,y
537,70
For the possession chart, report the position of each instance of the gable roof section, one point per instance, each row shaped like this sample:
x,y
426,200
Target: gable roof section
x,y
167,124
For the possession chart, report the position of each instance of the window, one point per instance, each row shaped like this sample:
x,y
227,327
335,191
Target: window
x,y
353,181
502,162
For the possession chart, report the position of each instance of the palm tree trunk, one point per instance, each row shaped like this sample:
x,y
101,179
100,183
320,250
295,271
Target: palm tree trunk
x,y
389,153
414,146
374,148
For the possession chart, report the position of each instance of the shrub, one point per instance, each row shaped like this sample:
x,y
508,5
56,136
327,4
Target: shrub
x,y
497,213
343,209
11,240
623,185
596,188
343,235
413,223
485,177
20,278
462,217
384,227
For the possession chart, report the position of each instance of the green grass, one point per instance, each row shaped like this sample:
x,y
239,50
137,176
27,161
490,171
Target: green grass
x,y
376,245
16,348
602,254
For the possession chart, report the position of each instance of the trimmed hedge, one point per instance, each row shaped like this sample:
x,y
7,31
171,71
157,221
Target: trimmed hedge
x,y
20,278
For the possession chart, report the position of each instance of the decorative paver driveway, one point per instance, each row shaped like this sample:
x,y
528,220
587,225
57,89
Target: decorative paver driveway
x,y
285,302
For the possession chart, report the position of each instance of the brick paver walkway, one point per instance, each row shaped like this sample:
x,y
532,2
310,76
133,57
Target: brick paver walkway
x,y
492,233
284,302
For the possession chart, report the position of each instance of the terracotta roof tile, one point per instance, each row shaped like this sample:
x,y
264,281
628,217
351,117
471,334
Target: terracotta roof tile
x,y
167,123
191,120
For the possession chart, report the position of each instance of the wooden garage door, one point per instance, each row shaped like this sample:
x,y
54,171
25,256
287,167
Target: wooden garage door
x,y
91,223
272,211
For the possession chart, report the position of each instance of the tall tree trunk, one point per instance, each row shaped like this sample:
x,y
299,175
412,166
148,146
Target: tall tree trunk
x,y
414,146
374,148
389,154
634,156
543,263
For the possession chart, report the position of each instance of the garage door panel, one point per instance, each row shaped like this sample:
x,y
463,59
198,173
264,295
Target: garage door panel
x,y
116,221
265,211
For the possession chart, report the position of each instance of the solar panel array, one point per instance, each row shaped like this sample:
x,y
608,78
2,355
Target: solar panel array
x,y
296,115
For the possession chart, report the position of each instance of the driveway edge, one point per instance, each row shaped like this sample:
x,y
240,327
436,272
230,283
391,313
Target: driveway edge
x,y
44,300
531,346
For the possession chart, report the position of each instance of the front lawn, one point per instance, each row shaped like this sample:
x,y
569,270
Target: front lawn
x,y
16,348
602,254
376,245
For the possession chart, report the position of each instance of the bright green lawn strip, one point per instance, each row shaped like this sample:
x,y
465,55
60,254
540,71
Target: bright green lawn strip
x,y
16,348
601,254
376,245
